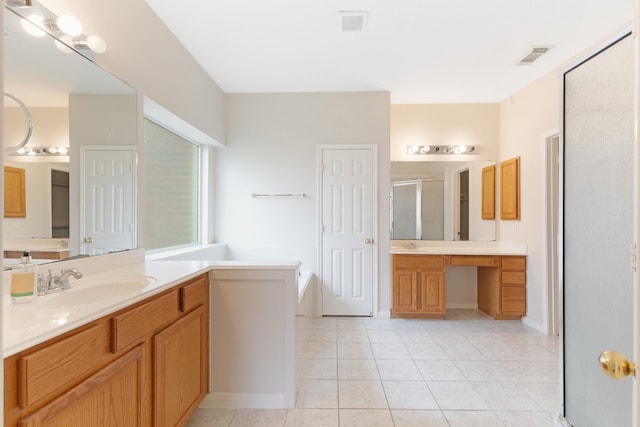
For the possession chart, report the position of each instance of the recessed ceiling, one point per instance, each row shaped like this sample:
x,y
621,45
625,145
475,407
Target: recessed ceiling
x,y
422,51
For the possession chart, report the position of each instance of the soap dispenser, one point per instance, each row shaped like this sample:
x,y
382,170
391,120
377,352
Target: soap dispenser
x,y
23,280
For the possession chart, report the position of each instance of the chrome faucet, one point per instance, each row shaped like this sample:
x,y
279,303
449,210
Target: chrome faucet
x,y
51,282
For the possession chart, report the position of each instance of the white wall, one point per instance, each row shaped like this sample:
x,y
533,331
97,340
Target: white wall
x,y
145,54
526,118
272,142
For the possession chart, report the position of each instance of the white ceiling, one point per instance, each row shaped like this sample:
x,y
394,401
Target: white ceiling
x,y
422,51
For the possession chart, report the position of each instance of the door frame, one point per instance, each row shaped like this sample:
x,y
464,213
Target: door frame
x,y
552,156
134,176
319,173
635,238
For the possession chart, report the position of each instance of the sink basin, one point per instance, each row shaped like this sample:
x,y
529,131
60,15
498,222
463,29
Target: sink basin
x,y
90,291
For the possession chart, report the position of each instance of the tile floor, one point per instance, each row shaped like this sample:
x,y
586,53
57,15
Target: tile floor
x,y
465,371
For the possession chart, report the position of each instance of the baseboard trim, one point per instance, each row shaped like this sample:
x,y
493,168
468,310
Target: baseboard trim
x,y
243,400
384,314
535,325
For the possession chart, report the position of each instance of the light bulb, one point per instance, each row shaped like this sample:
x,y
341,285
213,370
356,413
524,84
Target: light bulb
x,y
425,149
96,44
32,25
69,25
63,151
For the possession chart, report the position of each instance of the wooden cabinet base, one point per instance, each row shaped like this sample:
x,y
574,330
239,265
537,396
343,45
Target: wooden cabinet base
x,y
396,315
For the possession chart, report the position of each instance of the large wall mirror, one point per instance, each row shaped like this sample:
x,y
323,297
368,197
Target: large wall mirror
x,y
75,205
438,200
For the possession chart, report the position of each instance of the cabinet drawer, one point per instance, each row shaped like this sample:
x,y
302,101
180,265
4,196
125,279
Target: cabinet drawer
x,y
513,300
481,260
61,364
514,263
194,294
419,261
514,278
131,326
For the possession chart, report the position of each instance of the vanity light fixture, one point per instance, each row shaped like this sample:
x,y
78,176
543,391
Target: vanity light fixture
x,y
441,149
42,151
65,28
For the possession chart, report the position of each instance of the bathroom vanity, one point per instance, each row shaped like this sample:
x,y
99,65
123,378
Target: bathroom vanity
x,y
419,279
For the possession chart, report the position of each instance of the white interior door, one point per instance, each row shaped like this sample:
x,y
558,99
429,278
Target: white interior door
x,y
108,200
598,231
347,232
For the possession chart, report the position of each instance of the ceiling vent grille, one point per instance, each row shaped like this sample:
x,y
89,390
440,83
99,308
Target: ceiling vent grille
x,y
536,52
353,21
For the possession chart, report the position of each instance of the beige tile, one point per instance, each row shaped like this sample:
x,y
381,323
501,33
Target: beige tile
x,y
390,351
361,394
353,335
317,394
505,397
211,417
354,350
372,323
365,418
316,369
473,419
448,337
259,417
398,370
358,369
526,419
439,370
321,335
409,395
349,323
461,351
426,351
312,418
413,418
457,395
315,350
384,335
546,395
416,337
315,322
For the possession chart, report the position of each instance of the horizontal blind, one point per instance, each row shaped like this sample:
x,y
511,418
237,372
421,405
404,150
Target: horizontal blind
x,y
170,188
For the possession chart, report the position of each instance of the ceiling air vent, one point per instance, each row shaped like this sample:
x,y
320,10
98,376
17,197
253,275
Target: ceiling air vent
x,y
536,52
353,21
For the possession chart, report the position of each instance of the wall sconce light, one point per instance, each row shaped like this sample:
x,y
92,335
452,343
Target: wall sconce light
x,y
65,27
42,151
441,149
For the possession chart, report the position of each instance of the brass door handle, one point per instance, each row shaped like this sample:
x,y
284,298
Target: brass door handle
x,y
616,365
88,240
368,241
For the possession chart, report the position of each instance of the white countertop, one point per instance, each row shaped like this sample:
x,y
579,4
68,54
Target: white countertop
x,y
29,324
428,247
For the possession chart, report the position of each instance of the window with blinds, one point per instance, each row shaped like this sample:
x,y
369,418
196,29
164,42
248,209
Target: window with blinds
x,y
171,170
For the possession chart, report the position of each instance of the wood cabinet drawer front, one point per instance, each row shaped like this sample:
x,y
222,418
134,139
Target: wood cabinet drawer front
x,y
129,327
62,363
514,263
514,277
194,294
481,260
419,261
513,300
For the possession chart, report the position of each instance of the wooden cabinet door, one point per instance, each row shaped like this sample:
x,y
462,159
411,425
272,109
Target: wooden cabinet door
x,y
405,291
180,368
113,397
15,199
431,292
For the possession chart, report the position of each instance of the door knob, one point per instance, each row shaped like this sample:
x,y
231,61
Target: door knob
x,y
616,365
88,240
368,241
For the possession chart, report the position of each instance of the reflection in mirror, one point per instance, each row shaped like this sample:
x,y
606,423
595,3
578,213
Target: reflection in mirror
x,y
461,199
74,104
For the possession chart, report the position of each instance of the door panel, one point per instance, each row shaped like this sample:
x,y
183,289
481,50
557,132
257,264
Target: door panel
x,y
108,200
347,238
598,231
